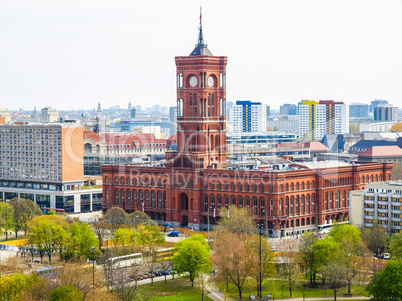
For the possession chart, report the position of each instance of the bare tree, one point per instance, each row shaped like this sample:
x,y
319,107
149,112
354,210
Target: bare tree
x,y
289,253
335,272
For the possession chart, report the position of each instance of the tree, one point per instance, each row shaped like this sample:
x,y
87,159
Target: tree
x,y
12,286
238,221
47,236
192,256
149,236
232,258
395,245
387,285
24,211
397,127
324,250
81,239
308,256
6,217
268,268
375,238
65,293
276,129
101,231
117,216
335,272
123,236
290,271
340,232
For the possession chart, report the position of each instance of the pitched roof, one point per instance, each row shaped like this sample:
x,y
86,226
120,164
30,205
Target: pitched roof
x,y
92,135
383,151
366,144
316,146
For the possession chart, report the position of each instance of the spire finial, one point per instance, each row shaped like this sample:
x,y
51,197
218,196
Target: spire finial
x,y
200,36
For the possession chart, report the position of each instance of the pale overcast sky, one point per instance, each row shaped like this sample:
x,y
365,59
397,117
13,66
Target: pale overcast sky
x,y
72,54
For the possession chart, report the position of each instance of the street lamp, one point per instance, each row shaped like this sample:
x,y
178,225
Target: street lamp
x,y
260,292
93,268
266,222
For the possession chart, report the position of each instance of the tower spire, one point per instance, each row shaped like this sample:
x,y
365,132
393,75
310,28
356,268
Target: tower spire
x,y
200,47
200,36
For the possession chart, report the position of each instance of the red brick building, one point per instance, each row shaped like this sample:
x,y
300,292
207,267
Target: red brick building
x,y
196,182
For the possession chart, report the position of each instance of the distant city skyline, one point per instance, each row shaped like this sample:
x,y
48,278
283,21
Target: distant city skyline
x,y
74,54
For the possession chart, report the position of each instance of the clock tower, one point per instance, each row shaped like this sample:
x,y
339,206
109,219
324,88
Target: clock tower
x,y
201,109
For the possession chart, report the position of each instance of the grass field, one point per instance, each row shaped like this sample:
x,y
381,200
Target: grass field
x,y
275,288
178,289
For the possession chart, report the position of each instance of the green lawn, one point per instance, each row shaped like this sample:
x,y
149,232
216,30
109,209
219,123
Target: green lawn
x,y
177,289
275,288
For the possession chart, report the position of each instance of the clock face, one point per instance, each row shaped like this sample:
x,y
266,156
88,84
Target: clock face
x,y
193,81
210,81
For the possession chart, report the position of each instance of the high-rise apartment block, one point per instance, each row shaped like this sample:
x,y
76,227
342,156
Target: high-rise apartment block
x,y
324,117
248,116
44,163
385,113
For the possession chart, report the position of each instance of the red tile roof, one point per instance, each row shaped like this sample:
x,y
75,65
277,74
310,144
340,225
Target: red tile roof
x,y
316,146
92,135
383,151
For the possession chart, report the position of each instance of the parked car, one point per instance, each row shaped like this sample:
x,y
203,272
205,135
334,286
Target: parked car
x,y
387,256
158,273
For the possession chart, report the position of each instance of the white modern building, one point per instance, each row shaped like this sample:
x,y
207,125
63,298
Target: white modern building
x,y
380,201
320,118
247,116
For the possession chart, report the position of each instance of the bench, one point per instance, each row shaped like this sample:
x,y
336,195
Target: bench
x,y
348,295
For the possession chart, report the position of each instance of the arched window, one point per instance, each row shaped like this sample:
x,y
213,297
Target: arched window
x,y
106,180
219,201
287,205
116,192
302,204
247,187
292,204
153,197
134,182
153,182
233,187
240,199
344,198
206,185
128,181
240,187
271,189
254,188
159,199
331,200
107,196
297,186
292,187
362,179
337,199
302,186
371,178
312,184
281,188
116,180
134,195
147,198
213,200
297,204
233,200
287,187
140,181
219,186
141,195
312,202
129,197
226,197
307,185
122,180
326,201
280,206
247,201
261,188
146,181
262,202
307,203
